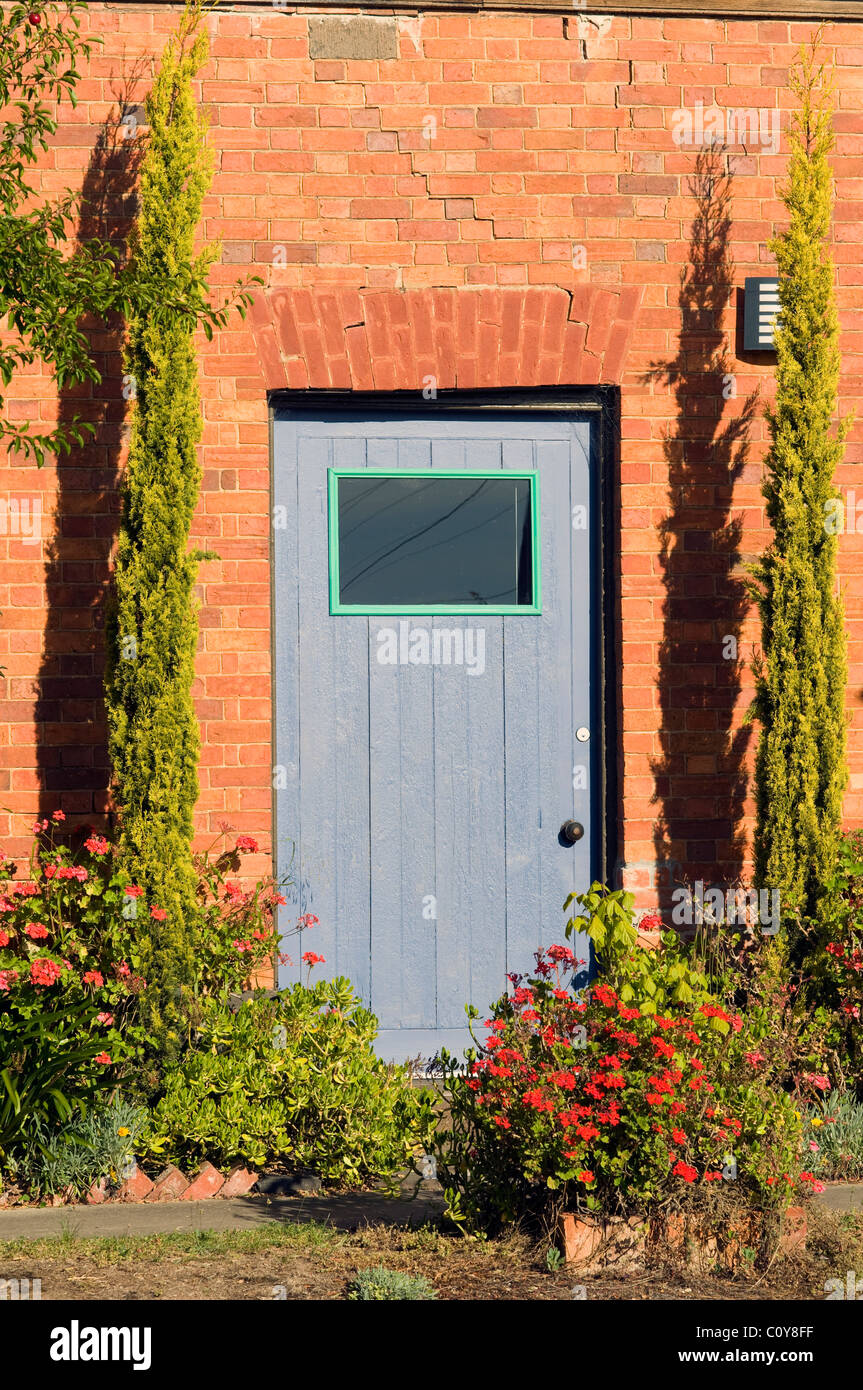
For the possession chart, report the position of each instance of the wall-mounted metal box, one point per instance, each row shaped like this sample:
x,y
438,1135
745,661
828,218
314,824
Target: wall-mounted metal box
x,y
760,311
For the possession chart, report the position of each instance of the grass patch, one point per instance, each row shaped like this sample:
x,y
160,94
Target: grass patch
x,y
305,1238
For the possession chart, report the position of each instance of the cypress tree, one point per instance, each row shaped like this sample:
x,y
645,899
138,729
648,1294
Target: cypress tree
x,y
153,732
800,769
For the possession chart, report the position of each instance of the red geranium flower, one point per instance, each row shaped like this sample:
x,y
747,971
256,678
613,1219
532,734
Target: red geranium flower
x,y
565,1079
604,994
685,1171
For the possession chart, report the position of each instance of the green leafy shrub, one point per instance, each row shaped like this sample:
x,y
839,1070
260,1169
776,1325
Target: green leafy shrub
x,y
380,1284
292,1079
657,979
643,1090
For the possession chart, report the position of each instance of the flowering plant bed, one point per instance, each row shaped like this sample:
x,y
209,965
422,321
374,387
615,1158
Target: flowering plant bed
x,y
68,1022
642,1090
72,1033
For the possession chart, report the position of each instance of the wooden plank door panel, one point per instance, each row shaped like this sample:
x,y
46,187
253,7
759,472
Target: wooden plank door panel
x,y
424,802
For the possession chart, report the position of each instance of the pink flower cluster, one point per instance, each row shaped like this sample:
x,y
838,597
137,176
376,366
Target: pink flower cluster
x,y
66,871
45,972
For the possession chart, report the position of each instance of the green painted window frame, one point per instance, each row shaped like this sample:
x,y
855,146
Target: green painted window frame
x,y
439,609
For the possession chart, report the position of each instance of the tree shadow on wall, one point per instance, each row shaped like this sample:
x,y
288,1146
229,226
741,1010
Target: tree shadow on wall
x,y
700,777
72,753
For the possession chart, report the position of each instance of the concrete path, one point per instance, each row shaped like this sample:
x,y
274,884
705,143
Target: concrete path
x,y
842,1196
346,1212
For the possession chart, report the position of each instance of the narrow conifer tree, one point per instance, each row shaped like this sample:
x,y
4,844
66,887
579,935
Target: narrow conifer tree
x,y
153,731
800,770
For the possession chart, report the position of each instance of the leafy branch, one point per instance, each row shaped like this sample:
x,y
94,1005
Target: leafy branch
x,y
51,284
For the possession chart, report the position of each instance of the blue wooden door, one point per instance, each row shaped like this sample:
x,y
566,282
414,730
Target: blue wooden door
x,y
427,756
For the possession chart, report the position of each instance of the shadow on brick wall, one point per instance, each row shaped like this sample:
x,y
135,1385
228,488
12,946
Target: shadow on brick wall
x,y
700,775
72,755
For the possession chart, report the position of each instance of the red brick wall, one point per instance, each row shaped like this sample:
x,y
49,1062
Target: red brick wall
x,y
549,134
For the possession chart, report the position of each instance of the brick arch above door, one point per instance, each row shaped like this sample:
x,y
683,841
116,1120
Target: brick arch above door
x,y
390,340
